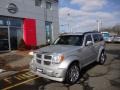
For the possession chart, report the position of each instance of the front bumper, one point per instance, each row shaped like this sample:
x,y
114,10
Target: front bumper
x,y
52,74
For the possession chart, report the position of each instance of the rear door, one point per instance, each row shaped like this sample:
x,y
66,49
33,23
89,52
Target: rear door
x,y
88,51
98,42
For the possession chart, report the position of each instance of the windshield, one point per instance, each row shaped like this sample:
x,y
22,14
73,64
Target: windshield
x,y
75,40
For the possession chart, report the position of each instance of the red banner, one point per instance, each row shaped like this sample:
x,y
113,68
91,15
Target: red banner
x,y
29,32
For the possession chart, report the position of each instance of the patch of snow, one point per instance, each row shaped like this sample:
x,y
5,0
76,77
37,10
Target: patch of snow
x,y
1,70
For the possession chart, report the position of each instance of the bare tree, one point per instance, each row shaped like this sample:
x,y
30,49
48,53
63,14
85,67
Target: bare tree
x,y
115,29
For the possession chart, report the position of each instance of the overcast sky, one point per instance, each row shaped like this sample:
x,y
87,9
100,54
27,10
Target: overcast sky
x,y
83,14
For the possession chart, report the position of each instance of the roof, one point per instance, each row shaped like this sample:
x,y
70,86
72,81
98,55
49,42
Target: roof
x,y
79,33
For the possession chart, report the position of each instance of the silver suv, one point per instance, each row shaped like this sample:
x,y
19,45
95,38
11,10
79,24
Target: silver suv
x,y
64,59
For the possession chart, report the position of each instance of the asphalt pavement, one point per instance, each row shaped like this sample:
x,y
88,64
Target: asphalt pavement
x,y
95,77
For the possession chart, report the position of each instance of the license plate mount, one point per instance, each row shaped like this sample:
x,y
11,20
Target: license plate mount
x,y
40,70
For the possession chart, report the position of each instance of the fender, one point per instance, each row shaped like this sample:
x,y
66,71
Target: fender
x,y
101,49
66,63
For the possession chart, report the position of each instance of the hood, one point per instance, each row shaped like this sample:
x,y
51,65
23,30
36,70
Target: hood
x,y
57,48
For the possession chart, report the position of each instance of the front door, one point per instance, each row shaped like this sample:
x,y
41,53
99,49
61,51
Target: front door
x,y
4,41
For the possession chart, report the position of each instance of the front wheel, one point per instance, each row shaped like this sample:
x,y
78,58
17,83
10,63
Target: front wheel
x,y
102,58
72,74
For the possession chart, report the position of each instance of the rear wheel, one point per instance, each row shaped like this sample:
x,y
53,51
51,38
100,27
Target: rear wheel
x,y
73,74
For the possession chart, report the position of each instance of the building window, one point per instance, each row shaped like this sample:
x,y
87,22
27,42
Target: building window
x,y
48,5
48,26
10,33
38,3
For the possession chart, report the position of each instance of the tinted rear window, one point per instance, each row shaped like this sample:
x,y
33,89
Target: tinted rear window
x,y
97,37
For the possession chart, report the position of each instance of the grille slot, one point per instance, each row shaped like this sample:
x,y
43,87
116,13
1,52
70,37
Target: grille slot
x,y
47,62
39,56
39,61
47,57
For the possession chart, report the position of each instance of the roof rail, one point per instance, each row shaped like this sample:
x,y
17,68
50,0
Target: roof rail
x,y
90,32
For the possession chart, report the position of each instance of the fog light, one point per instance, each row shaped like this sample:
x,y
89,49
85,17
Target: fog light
x,y
32,68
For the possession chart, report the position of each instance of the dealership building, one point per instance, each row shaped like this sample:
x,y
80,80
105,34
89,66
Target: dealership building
x,y
33,21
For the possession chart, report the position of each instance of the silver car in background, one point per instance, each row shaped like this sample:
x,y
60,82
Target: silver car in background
x,y
64,59
116,38
110,39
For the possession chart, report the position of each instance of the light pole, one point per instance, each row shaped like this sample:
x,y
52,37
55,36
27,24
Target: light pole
x,y
69,28
99,24
62,28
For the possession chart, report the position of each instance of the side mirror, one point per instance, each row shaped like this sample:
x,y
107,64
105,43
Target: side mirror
x,y
89,43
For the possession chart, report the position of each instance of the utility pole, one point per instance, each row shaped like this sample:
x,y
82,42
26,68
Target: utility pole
x,y
99,24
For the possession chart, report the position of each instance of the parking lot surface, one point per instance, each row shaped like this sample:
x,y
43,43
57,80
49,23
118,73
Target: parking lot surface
x,y
95,77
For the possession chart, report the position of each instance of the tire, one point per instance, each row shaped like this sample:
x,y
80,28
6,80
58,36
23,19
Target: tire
x,y
72,74
102,58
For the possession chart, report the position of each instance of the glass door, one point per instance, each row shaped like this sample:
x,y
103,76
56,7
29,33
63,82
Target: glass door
x,y
4,41
15,37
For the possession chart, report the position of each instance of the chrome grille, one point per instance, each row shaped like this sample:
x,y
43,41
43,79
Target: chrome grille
x,y
47,59
43,59
38,58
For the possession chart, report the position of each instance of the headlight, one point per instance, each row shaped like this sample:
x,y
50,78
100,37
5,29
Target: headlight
x,y
57,58
31,53
34,56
